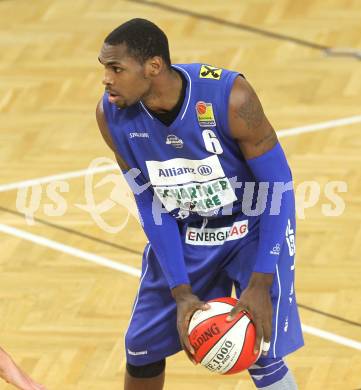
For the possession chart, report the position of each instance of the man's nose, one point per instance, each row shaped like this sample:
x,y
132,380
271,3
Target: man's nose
x,y
107,79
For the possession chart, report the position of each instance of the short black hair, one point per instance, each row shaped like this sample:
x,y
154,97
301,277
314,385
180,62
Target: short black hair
x,y
143,39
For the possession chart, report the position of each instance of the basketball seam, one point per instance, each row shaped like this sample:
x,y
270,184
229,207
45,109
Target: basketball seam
x,y
245,334
206,319
235,323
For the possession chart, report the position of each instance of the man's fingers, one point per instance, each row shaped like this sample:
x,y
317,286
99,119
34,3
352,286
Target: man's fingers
x,y
267,334
189,355
185,312
266,347
205,306
267,329
233,313
188,345
183,333
259,336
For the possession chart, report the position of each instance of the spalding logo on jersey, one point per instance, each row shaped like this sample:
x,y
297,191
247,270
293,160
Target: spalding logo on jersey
x,y
196,185
210,72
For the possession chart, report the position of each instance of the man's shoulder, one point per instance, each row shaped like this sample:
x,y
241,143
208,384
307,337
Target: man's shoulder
x,y
204,72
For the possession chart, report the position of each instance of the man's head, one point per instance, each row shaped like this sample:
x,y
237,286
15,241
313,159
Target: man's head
x,y
133,55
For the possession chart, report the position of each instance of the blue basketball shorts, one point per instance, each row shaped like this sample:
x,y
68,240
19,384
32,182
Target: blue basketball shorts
x,y
219,254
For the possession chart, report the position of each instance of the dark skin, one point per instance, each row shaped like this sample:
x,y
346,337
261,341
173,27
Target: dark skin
x,y
255,136
159,88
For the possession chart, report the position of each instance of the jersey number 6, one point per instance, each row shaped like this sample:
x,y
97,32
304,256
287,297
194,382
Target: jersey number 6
x,y
211,142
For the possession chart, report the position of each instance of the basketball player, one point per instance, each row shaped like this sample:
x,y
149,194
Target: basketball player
x,y
12,374
194,145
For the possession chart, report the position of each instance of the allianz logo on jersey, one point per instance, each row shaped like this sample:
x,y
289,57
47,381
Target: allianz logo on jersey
x,y
181,170
204,170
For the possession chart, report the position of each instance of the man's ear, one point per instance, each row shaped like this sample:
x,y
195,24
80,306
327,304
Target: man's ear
x,y
154,66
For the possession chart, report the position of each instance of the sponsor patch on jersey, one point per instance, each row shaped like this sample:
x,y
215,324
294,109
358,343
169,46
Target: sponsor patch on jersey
x,y
210,72
174,141
191,185
216,236
201,198
182,170
205,114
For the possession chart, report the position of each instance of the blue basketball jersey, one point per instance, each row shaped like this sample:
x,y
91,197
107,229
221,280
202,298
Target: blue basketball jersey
x,y
196,169
193,164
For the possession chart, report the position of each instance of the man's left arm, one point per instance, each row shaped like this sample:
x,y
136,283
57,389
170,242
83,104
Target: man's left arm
x,y
265,158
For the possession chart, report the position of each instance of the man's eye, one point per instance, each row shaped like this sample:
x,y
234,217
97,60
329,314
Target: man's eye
x,y
117,70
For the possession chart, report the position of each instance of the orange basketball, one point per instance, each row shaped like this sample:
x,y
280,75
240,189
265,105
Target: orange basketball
x,y
220,346
201,107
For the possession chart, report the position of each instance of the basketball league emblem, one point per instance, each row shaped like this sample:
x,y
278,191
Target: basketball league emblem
x,y
174,141
205,114
210,72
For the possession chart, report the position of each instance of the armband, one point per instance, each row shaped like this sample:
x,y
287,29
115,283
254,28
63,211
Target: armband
x,y
272,168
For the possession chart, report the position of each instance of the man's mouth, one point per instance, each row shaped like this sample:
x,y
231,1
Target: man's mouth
x,y
113,96
111,92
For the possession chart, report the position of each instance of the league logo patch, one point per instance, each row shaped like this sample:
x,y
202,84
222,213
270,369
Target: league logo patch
x,y
205,114
210,72
174,141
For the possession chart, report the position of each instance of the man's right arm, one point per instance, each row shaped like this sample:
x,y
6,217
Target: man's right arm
x,y
166,243
103,127
164,238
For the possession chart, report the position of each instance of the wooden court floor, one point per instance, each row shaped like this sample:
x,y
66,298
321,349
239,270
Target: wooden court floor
x,y
65,301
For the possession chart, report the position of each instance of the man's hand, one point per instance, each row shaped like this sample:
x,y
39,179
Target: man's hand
x,y
12,374
187,304
256,300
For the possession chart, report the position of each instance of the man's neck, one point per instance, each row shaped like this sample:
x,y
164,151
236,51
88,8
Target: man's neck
x,y
165,92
